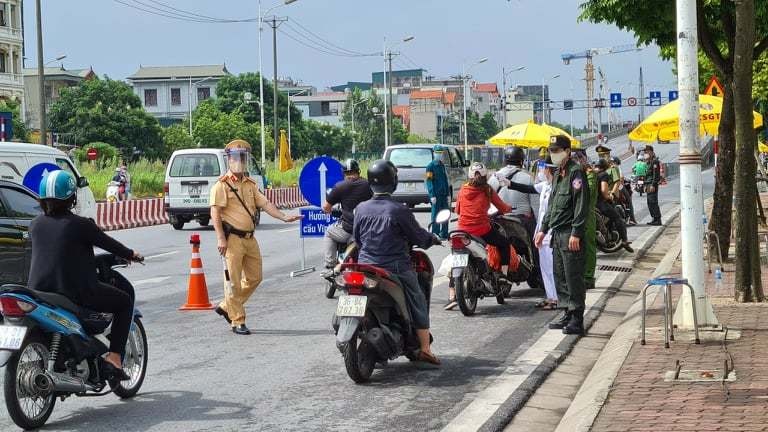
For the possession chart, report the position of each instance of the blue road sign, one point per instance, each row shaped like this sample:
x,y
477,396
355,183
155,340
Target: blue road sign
x,y
673,95
655,98
6,126
318,176
35,174
615,100
314,222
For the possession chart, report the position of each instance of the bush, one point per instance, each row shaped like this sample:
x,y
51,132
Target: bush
x,y
106,153
147,177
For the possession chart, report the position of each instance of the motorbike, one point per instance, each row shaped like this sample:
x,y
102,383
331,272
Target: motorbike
x,y
372,322
638,183
474,277
608,239
52,348
113,191
346,253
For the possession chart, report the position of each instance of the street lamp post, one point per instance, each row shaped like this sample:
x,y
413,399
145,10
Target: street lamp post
x,y
388,86
61,57
504,74
261,79
543,110
289,113
189,99
464,80
354,106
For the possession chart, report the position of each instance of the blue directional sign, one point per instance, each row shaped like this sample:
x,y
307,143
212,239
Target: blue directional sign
x,y
314,222
6,126
655,98
673,95
35,174
318,176
615,100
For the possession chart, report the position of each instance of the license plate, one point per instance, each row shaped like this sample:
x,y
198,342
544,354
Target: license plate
x,y
410,187
11,337
194,189
351,306
459,260
640,182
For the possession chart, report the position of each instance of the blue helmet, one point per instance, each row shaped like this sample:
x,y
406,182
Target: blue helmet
x,y
59,185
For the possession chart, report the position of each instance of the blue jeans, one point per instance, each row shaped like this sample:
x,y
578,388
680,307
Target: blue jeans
x,y
441,204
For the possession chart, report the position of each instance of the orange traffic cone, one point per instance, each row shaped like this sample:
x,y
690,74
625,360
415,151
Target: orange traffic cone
x,y
197,293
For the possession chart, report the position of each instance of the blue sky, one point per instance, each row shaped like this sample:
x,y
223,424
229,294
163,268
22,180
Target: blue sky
x,y
115,39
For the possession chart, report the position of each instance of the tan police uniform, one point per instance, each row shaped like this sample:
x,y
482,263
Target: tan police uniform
x,y
243,254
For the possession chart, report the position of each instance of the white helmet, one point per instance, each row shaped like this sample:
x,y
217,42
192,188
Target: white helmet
x,y
478,167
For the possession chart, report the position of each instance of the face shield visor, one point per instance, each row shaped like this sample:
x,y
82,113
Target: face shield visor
x,y
239,160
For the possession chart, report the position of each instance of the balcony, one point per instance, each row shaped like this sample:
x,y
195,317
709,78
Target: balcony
x,y
11,34
11,80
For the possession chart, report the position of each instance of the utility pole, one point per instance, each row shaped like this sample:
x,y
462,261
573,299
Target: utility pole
x,y
691,198
386,99
391,107
504,97
275,22
641,98
41,74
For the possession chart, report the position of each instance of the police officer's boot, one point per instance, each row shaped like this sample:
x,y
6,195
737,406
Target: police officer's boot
x,y
561,322
576,323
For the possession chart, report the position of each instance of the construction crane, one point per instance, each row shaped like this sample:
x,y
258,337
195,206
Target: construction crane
x,y
589,68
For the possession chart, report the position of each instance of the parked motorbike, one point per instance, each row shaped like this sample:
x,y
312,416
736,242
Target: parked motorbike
x,y
608,239
113,191
638,184
473,277
52,348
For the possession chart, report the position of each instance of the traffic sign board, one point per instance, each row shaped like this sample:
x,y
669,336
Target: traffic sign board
x,y
314,222
714,88
317,176
615,100
631,101
673,95
655,98
568,104
92,154
35,174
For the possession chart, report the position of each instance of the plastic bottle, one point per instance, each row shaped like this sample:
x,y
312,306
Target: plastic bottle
x,y
718,278
704,220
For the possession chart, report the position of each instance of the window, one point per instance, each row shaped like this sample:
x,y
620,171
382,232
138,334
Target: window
x,y
203,93
3,62
195,165
411,157
3,21
150,97
21,205
175,96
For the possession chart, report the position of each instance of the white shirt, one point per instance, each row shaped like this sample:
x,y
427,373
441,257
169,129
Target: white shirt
x,y
522,204
545,191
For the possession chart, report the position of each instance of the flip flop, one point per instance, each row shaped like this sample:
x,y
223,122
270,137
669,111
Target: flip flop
x,y
550,306
542,304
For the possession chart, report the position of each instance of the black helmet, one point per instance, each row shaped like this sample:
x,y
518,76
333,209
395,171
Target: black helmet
x,y
351,165
513,155
602,165
616,161
382,175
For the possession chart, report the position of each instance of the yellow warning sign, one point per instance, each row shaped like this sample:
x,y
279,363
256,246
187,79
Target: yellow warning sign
x,y
714,88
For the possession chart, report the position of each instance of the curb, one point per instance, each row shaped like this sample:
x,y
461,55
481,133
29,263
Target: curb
x,y
507,410
594,391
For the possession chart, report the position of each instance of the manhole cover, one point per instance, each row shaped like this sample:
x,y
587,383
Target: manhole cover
x,y
700,375
615,268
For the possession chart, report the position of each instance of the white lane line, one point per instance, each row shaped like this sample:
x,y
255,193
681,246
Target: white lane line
x,y
488,400
161,255
151,281
287,230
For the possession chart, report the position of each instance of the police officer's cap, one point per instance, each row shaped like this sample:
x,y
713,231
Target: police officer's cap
x,y
602,149
238,144
559,141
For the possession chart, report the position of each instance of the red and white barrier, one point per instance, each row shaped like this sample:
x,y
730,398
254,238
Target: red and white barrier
x,y
284,198
130,214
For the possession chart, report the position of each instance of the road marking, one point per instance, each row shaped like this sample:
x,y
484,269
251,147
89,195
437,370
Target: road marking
x,y
161,255
151,281
288,230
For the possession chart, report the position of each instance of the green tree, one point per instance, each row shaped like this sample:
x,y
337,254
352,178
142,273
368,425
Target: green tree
x,y
176,137
489,124
654,21
108,111
215,128
324,139
368,121
20,131
476,132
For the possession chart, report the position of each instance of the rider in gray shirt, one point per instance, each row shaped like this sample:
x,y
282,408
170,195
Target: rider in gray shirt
x,y
522,204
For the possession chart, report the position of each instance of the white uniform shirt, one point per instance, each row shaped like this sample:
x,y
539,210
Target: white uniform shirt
x,y
545,190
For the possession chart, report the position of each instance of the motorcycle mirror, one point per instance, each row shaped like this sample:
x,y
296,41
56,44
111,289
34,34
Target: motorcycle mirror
x,y
492,210
442,216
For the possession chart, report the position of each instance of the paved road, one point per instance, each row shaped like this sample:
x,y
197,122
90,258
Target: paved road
x,y
289,375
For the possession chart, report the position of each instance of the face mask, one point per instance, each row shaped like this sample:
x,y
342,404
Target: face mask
x,y
236,166
558,158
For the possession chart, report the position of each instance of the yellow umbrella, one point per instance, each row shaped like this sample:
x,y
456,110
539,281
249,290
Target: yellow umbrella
x,y
762,147
530,135
286,162
664,124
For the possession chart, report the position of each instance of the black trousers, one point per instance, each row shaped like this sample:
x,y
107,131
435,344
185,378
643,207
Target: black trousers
x,y
502,244
627,192
653,204
612,213
118,302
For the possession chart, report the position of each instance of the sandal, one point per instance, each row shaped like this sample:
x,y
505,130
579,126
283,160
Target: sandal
x,y
543,303
451,305
550,306
428,358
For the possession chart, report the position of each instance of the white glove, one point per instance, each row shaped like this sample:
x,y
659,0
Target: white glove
x,y
433,200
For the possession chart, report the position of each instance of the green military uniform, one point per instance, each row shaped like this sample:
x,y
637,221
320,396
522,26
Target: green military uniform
x,y
590,239
567,216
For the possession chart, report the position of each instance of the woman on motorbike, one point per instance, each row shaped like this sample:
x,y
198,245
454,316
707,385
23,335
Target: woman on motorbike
x,y
472,204
63,262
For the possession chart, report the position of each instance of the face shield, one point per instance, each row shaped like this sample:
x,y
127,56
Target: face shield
x,y
239,160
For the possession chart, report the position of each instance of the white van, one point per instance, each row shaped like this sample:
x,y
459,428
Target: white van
x,y
189,176
25,164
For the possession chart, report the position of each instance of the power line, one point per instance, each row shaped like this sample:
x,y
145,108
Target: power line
x,y
326,41
193,14
168,11
313,47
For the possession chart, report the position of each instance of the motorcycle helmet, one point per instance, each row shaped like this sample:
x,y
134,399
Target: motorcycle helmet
x,y
602,165
57,185
514,156
351,165
616,161
382,176
477,167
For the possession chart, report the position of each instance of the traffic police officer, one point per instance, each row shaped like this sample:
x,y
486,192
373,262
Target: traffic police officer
x,y
439,190
652,181
566,217
234,200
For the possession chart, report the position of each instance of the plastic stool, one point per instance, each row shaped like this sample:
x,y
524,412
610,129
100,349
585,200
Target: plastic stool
x,y
666,283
